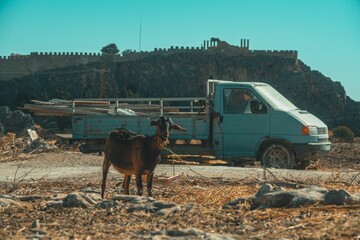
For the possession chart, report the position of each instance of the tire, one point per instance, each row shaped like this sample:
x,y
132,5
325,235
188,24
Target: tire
x,y
277,155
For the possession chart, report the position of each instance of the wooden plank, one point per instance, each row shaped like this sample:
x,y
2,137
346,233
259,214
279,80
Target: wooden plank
x,y
41,102
64,135
60,101
91,103
52,114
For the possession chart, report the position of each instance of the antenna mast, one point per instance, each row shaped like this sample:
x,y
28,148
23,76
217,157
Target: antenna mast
x,y
140,33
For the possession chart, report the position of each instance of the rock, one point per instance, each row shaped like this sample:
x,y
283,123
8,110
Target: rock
x,y
39,145
233,203
54,204
141,207
297,198
107,204
133,199
15,121
75,200
146,204
197,233
58,196
168,211
340,197
185,232
90,190
91,198
266,188
162,205
293,198
30,198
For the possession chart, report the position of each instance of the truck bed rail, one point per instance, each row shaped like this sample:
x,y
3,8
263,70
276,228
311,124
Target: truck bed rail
x,y
144,106
119,106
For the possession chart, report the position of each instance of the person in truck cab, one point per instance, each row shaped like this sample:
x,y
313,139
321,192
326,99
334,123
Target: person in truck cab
x,y
239,101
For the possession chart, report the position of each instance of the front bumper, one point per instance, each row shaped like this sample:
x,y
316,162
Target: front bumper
x,y
305,150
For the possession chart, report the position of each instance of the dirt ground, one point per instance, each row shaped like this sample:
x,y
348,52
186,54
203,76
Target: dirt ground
x,y
206,196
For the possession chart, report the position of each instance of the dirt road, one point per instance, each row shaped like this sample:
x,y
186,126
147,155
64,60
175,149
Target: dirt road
x,y
75,164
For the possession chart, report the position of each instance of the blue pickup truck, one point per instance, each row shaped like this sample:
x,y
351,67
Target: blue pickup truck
x,y
235,120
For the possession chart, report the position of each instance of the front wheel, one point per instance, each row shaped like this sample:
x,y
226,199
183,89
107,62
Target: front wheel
x,y
277,155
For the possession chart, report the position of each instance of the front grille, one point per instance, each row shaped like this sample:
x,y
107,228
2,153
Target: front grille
x,y
322,130
322,140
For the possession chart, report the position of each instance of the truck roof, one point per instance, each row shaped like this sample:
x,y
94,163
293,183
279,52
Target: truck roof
x,y
245,84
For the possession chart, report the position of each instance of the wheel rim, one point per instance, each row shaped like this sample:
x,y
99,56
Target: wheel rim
x,y
277,157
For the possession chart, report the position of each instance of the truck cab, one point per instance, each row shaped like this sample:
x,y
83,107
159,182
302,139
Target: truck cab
x,y
254,120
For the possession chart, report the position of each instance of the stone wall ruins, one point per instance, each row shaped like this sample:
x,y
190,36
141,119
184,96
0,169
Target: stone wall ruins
x,y
16,66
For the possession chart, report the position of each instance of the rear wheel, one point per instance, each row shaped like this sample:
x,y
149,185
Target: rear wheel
x,y
277,155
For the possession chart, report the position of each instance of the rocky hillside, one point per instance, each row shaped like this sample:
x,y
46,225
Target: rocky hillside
x,y
185,74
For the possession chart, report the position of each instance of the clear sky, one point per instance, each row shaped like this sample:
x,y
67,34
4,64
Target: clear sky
x,y
326,33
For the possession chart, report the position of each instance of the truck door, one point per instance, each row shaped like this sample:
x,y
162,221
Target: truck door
x,y
244,120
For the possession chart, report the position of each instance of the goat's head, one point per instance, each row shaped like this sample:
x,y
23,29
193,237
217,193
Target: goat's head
x,y
164,126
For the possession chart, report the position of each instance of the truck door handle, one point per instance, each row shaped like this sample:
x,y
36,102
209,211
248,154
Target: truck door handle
x,y
218,115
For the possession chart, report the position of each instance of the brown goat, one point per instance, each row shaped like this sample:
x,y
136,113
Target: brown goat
x,y
138,155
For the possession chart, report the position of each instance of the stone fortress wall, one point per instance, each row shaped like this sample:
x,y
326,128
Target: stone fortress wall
x,y
16,66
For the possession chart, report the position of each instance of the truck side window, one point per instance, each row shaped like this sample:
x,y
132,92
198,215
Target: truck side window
x,y
240,101
257,107
237,101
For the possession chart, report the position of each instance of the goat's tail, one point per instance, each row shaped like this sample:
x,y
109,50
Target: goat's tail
x,y
105,170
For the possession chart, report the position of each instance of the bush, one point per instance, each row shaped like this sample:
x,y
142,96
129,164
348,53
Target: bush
x,y
110,49
343,133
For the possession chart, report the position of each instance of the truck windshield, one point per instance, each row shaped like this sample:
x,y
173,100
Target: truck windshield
x,y
274,98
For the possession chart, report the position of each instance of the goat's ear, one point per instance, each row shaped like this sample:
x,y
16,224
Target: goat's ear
x,y
153,122
177,127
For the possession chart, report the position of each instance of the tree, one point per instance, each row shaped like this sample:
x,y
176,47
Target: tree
x,y
127,51
110,49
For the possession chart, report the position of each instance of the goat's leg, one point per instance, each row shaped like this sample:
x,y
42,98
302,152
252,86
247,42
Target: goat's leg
x,y
149,183
126,183
138,177
105,169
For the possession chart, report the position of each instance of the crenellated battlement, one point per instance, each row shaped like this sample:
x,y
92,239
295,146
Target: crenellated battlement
x,y
276,53
17,65
64,54
216,45
45,54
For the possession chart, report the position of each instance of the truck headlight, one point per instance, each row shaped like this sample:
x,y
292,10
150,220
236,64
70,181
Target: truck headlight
x,y
308,130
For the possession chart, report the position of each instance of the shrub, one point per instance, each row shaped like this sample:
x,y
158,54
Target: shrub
x,y
343,133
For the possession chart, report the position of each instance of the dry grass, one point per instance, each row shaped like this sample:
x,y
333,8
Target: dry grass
x,y
208,195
